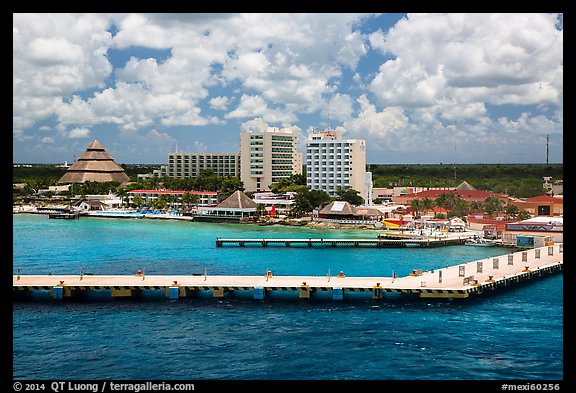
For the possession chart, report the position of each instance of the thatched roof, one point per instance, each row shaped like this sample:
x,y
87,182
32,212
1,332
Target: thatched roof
x,y
367,211
95,164
238,200
338,207
465,186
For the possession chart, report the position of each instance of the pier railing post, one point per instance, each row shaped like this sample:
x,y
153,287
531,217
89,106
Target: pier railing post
x,y
304,291
337,294
377,291
259,293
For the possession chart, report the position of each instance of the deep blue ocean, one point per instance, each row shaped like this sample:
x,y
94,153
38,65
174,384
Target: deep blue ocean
x,y
513,333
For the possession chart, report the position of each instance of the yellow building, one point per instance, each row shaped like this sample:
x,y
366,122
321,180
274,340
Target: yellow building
x,y
267,157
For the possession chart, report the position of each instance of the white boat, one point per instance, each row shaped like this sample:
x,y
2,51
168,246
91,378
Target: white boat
x,y
480,242
115,214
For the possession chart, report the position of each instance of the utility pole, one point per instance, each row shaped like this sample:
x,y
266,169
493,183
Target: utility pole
x,y
547,149
329,128
455,158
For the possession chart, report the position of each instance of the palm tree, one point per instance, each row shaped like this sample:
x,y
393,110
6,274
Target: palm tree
x,y
476,206
176,200
260,210
447,200
122,193
162,201
493,205
427,204
138,201
187,199
511,211
416,204
195,200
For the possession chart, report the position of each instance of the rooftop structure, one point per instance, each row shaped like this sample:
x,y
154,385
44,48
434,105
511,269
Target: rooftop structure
x,y
235,207
469,195
96,165
543,205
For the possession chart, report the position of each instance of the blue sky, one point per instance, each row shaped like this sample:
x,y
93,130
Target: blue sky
x,y
419,88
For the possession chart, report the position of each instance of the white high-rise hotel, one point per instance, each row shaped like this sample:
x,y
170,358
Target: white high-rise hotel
x,y
332,162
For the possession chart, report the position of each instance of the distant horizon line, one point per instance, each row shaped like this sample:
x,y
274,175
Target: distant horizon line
x,y
398,163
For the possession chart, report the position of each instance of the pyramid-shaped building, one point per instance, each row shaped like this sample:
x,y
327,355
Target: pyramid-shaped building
x,y
238,200
94,165
465,186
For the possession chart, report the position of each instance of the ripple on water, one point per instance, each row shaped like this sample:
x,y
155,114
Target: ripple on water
x,y
512,334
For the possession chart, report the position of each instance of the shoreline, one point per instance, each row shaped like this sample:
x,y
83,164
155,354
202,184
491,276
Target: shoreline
x,y
285,222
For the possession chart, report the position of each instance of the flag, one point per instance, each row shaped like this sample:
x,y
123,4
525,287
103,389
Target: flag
x,y
273,210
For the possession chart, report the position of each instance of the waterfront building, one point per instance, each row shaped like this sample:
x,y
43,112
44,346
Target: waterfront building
x,y
465,194
342,212
549,228
382,193
542,205
333,162
493,228
85,205
96,165
58,189
234,208
453,224
185,165
267,157
206,198
279,204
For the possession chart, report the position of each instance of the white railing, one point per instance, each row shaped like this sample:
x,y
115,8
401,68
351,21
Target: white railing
x,y
335,221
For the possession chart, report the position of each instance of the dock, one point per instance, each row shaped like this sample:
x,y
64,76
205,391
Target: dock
x,y
457,281
373,242
64,216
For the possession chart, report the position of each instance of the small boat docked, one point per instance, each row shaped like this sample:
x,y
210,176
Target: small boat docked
x,y
480,242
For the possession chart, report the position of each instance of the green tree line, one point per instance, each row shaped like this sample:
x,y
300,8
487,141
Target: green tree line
x,y
518,180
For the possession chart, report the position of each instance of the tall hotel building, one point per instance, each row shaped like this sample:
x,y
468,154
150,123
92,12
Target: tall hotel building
x,y
266,157
182,165
332,162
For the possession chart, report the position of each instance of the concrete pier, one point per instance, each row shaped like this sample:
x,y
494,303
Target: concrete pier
x,y
374,242
457,281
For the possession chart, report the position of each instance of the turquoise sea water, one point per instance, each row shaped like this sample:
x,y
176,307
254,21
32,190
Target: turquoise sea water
x,y
515,333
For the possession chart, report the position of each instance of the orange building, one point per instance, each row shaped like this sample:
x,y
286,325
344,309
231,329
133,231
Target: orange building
x,y
543,205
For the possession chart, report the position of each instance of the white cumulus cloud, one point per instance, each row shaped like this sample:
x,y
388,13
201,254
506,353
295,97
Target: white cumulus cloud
x,y
79,133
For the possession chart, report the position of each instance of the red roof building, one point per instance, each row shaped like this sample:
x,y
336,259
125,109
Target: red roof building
x,y
543,205
467,195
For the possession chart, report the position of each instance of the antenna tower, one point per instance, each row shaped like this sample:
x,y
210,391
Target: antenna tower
x,y
547,149
455,158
